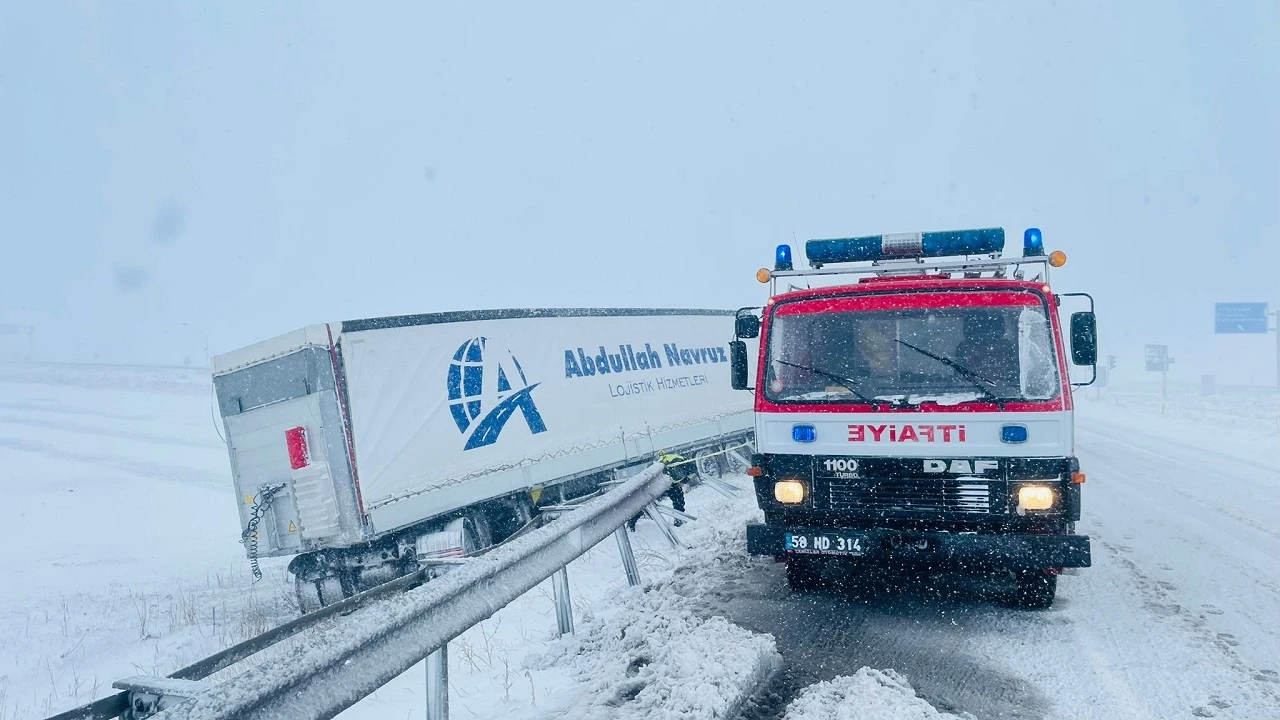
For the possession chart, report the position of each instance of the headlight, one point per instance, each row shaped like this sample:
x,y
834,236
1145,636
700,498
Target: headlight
x,y
788,492
1035,497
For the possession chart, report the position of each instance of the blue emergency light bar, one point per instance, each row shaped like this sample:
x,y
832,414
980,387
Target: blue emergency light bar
x,y
988,241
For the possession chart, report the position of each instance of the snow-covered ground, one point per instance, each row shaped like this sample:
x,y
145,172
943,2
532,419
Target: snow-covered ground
x,y
865,695
119,530
122,558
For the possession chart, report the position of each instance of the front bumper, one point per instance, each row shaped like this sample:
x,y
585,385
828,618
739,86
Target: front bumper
x,y
1010,551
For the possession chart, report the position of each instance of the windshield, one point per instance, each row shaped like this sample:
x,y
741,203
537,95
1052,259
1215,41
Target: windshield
x,y
943,355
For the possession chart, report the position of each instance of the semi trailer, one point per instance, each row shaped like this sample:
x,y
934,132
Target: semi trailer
x,y
364,448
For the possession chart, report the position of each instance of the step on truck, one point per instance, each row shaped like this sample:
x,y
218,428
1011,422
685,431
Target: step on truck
x,y
366,449
913,409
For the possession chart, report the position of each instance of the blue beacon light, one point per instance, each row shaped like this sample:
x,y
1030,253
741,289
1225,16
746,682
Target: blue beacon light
x,y
782,259
1032,243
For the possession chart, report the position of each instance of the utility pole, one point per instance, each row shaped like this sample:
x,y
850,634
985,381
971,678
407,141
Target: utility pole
x,y
1164,384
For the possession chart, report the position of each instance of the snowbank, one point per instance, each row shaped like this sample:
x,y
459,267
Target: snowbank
x,y
660,650
866,695
653,659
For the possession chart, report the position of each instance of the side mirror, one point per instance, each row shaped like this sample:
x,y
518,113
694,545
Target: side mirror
x,y
1084,338
738,365
746,326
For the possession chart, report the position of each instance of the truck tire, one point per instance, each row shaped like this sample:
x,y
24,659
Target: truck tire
x,y
803,574
708,465
1036,589
316,594
502,518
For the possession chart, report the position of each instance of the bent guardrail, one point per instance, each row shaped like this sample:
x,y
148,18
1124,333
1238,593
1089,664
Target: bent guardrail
x,y
334,665
591,518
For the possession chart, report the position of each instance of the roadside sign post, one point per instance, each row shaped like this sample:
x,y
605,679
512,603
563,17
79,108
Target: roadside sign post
x,y
1158,360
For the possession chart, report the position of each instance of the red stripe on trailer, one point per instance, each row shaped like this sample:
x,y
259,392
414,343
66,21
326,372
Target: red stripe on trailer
x,y
346,421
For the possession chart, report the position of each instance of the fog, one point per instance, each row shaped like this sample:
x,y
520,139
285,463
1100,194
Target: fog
x,y
173,173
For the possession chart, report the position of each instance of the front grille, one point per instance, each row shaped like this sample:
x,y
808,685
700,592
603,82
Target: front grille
x,y
912,494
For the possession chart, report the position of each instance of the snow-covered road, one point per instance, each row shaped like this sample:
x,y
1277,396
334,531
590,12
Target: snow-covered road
x,y
1177,618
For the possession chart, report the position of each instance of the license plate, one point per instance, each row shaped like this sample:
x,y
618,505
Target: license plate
x,y
824,544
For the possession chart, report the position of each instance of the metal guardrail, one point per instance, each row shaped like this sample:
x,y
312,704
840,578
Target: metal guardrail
x,y
333,666
144,696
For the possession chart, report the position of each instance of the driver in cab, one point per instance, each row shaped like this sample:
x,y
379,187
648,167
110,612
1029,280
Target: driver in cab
x,y
987,351
874,351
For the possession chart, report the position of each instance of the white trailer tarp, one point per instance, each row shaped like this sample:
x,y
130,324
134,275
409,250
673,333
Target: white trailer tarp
x,y
438,403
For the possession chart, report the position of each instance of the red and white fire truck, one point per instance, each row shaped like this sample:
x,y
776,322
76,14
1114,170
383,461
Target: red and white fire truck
x,y
918,414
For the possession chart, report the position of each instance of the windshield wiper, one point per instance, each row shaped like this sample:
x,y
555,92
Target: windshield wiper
x,y
847,382
974,378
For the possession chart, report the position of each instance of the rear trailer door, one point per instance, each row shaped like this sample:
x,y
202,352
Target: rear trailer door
x,y
288,453
456,408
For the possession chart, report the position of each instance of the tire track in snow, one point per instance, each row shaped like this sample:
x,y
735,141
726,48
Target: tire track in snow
x,y
923,629
81,429
155,471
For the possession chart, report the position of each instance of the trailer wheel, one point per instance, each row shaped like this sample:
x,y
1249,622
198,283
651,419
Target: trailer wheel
x,y
1036,589
315,594
707,463
733,464
504,517
308,593
803,574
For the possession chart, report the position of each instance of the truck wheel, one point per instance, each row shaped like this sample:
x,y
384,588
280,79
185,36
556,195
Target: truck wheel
x,y
1036,589
502,519
708,465
803,574
733,464
316,594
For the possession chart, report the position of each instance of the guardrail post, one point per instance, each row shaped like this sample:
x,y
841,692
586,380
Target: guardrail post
x,y
564,606
438,684
628,557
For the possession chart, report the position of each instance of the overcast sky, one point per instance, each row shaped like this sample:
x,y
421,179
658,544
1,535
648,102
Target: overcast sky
x,y
250,168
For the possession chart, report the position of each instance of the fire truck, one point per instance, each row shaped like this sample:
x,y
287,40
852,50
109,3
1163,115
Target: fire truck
x,y
913,409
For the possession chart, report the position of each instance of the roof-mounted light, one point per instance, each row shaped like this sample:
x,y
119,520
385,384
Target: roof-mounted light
x,y
1032,243
782,259
988,241
763,275
1057,258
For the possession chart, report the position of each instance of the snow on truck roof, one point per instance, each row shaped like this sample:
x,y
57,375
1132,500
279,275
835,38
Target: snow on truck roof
x,y
271,348
319,335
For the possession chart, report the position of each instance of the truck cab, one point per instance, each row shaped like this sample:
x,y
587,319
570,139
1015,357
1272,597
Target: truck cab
x,y
918,412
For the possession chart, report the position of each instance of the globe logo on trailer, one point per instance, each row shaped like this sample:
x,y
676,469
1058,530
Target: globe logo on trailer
x,y
486,387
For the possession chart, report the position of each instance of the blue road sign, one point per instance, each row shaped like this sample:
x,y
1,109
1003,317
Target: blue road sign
x,y
1238,318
